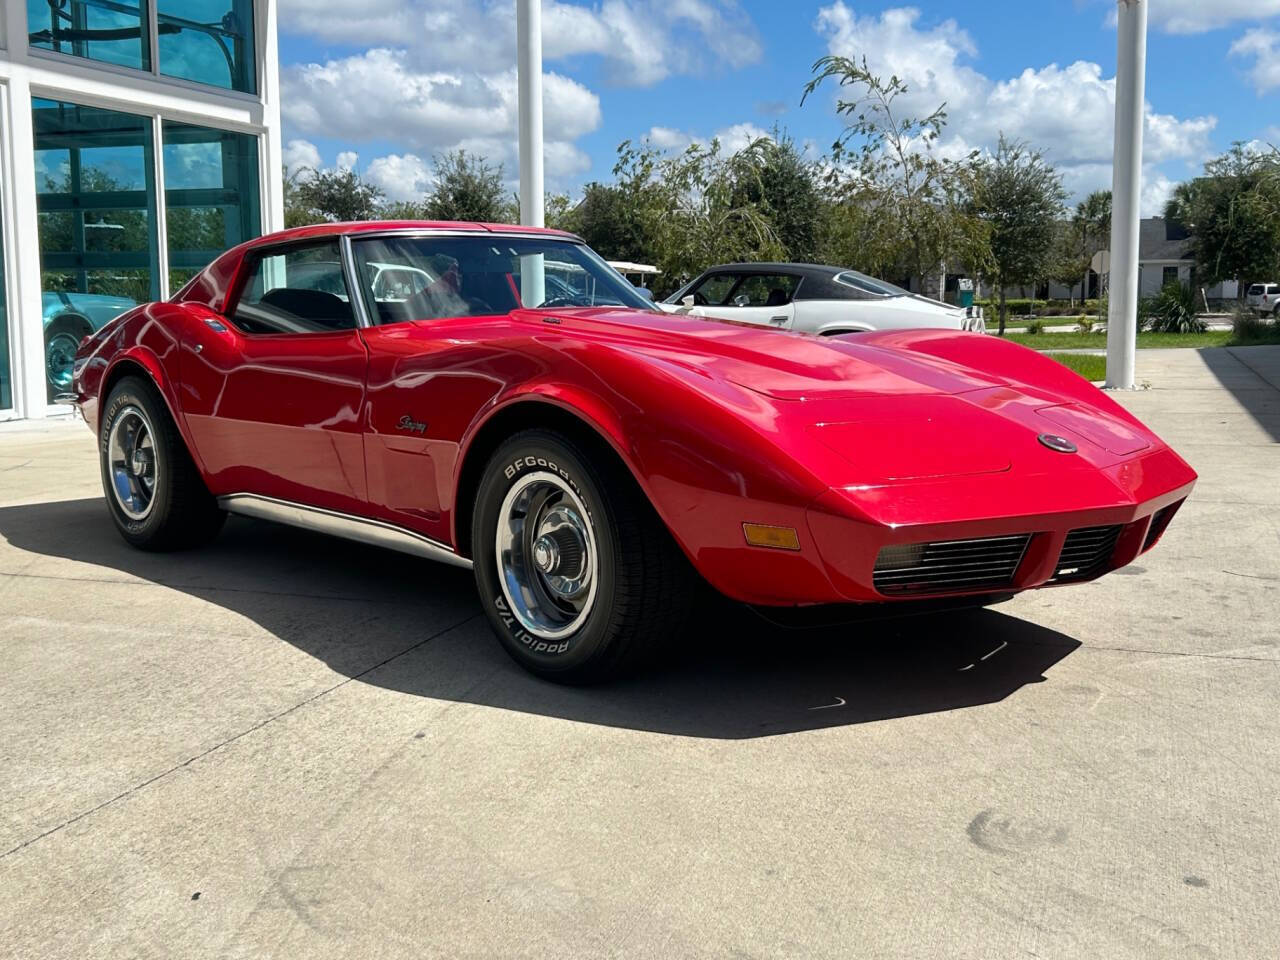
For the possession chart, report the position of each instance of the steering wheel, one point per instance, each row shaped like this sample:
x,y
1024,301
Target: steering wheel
x,y
563,301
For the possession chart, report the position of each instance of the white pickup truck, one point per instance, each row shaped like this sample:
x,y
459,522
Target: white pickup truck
x,y
1264,298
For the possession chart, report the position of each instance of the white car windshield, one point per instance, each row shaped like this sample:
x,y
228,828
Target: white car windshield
x,y
428,277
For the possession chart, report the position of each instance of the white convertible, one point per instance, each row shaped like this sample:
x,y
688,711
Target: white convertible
x,y
814,299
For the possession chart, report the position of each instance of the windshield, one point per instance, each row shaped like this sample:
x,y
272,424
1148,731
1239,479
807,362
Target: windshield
x,y
860,281
434,277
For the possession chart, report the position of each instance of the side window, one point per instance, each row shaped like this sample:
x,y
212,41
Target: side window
x,y
297,289
714,291
765,290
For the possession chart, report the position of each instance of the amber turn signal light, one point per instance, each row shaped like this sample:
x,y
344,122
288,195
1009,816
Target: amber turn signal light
x,y
779,538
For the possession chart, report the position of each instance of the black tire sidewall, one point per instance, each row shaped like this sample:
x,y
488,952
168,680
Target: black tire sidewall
x,y
131,392
532,452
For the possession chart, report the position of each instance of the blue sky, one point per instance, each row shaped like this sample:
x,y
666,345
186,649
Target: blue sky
x,y
385,85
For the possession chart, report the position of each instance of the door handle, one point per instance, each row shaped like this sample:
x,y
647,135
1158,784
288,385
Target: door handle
x,y
779,320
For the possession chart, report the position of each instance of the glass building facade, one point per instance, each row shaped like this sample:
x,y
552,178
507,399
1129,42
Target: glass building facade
x,y
205,41
154,147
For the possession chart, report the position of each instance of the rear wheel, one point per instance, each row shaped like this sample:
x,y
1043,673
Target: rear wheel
x,y
153,489
579,578
61,340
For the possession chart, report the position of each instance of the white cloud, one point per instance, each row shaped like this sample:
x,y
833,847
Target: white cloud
x,y
732,139
1200,16
1263,45
640,41
1066,111
401,176
383,94
347,160
301,155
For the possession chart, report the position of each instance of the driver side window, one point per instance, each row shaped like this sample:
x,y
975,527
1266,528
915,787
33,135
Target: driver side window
x,y
295,289
714,291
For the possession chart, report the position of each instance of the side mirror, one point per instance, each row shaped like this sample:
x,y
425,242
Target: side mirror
x,y
646,293
688,301
742,300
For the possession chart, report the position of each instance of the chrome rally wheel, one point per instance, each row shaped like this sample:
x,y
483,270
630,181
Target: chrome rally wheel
x,y
154,492
579,578
131,460
546,556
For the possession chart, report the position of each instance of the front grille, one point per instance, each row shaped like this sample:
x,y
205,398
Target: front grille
x,y
950,565
1086,553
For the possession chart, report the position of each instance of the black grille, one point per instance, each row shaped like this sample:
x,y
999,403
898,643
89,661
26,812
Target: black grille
x,y
1158,524
1086,553
951,565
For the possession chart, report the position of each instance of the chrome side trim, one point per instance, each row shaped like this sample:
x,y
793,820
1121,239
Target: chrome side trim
x,y
373,532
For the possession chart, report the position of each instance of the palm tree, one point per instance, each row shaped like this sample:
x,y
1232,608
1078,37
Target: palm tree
x,y
1093,221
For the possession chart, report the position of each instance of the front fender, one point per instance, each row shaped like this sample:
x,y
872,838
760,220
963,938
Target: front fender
x,y
705,453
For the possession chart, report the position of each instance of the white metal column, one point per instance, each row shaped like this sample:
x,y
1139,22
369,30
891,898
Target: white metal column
x,y
529,54
1126,193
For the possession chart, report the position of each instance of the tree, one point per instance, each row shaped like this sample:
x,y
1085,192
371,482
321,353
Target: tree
x,y
334,196
1233,216
883,161
469,188
1092,224
784,186
1020,197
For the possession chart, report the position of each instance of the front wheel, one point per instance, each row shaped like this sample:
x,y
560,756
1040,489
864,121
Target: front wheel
x,y
577,574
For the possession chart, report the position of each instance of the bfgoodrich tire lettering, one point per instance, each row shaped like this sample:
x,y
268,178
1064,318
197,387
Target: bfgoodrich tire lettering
x,y
153,490
578,576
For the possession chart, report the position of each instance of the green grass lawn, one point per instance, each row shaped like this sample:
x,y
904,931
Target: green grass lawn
x,y
1098,341
1088,365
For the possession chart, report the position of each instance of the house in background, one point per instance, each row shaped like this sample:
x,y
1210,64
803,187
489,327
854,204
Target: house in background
x,y
1164,255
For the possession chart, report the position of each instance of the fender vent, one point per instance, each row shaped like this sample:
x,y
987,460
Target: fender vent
x,y
949,566
1086,553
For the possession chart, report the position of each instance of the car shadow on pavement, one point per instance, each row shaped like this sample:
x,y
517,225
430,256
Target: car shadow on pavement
x,y
415,626
1252,376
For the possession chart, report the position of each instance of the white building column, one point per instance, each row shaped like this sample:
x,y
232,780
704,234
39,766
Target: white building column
x,y
22,258
1126,193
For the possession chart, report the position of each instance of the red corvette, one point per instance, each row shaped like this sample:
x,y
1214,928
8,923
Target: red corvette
x,y
498,398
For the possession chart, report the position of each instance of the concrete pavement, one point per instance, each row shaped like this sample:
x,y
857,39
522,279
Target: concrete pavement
x,y
286,746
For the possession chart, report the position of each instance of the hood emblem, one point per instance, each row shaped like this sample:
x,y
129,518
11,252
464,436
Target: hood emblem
x,y
1059,444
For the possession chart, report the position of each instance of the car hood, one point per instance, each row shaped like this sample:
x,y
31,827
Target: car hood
x,y
780,365
863,412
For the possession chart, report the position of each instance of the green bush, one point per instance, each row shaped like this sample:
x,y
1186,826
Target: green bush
x,y
1035,326
1085,324
1172,310
1247,325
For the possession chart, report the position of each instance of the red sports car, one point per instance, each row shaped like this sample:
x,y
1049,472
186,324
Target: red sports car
x,y
498,398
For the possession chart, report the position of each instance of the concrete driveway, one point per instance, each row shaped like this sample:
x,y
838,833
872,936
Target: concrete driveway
x,y
285,746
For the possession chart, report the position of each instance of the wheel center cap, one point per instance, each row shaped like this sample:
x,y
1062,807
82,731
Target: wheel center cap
x,y
140,462
546,554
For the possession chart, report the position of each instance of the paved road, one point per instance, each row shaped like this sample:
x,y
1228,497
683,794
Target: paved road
x,y
289,747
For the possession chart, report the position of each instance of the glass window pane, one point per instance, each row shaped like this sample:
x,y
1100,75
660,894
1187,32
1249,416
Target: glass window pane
x,y
211,195
208,41
300,290
108,30
96,200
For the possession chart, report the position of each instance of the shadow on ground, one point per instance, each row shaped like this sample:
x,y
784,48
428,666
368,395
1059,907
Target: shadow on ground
x,y
415,626
1251,375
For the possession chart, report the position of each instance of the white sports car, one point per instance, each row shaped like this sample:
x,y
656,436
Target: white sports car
x,y
814,299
